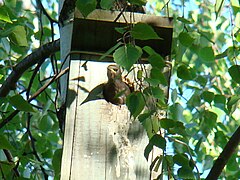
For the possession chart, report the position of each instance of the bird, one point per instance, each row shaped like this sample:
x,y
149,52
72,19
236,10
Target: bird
x,y
116,89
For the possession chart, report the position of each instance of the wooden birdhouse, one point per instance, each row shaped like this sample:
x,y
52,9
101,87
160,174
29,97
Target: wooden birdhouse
x,y
101,141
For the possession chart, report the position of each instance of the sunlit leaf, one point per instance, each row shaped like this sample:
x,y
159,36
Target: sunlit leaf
x,y
21,104
127,55
206,54
144,31
19,36
4,15
232,101
234,72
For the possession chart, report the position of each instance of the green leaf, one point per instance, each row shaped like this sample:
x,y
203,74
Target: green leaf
x,y
45,123
110,50
21,104
7,169
135,103
107,4
4,15
144,31
95,94
158,76
232,101
147,150
121,30
167,123
208,96
185,73
183,20
210,119
219,99
144,116
5,143
174,95
157,161
158,93
234,72
86,6
156,61
185,173
181,159
138,2
149,50
208,162
206,54
201,80
177,112
19,36
56,161
127,55
185,39
158,141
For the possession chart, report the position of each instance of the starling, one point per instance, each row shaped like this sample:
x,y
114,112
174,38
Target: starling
x,y
115,90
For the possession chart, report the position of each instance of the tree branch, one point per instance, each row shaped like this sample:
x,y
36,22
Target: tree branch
x,y
14,113
227,152
38,55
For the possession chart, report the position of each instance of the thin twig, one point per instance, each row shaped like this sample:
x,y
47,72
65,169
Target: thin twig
x,y
14,113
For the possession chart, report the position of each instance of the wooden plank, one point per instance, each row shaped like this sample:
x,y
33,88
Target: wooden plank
x,y
107,144
127,17
70,122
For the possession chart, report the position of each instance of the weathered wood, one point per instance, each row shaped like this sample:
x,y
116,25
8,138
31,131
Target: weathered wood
x,y
101,140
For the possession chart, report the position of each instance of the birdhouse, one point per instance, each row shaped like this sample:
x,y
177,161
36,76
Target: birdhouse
x,y
101,140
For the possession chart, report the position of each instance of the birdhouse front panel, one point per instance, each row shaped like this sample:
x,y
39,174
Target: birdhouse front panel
x,y
106,142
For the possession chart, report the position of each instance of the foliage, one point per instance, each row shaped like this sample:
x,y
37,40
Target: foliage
x,y
203,108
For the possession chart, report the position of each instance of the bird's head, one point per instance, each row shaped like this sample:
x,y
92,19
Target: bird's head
x,y
114,72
